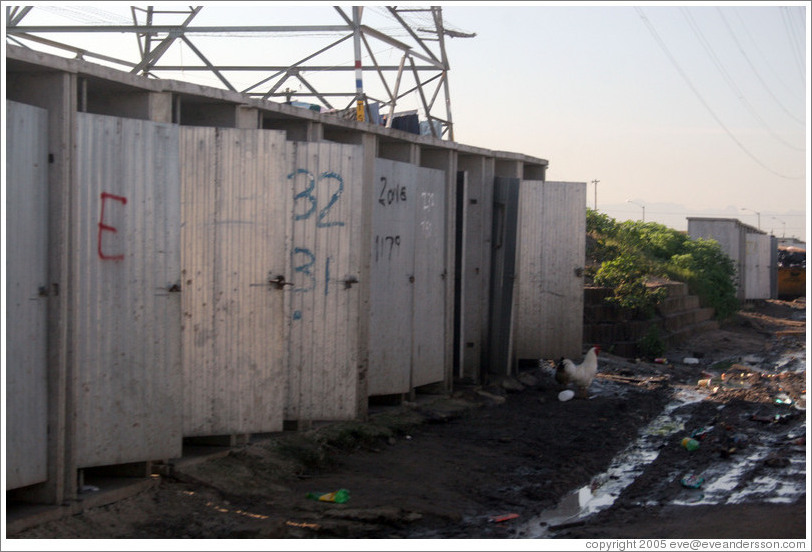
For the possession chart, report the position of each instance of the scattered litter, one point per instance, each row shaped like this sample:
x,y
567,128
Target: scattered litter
x,y
701,433
88,489
732,444
340,496
710,382
690,444
739,440
692,481
566,395
783,398
661,361
667,427
774,419
690,360
724,380
503,517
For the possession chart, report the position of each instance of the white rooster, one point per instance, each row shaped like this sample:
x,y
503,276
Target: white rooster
x,y
581,375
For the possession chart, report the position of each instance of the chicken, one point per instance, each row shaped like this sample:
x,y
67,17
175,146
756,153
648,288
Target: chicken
x,y
581,375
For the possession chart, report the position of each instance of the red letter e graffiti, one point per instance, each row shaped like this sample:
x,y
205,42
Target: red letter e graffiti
x,y
105,228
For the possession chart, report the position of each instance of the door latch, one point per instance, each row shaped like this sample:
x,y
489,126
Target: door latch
x,y
350,281
279,282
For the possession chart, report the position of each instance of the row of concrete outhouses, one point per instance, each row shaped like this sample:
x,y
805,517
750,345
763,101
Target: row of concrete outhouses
x,y
187,262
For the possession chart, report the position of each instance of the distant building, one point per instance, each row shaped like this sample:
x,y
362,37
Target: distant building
x,y
753,251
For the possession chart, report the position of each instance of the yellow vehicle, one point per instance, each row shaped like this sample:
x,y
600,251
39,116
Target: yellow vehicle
x,y
791,272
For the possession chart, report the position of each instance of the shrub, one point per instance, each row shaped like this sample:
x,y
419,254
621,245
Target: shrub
x,y
630,252
651,344
709,274
626,275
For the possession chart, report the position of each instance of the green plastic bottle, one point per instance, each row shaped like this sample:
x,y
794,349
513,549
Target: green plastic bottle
x,y
340,496
690,444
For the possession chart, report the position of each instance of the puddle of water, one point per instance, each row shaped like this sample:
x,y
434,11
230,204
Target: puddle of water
x,y
622,472
792,362
722,480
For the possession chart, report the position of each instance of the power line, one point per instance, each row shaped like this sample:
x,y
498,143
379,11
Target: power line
x,y
793,38
729,80
755,45
755,71
702,100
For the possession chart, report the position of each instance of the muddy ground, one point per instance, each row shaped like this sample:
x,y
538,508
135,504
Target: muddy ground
x,y
449,466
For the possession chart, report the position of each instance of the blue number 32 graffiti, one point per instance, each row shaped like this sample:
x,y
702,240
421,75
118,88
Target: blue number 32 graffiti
x,y
308,194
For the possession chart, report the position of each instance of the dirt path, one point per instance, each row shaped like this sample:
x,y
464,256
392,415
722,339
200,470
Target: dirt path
x,y
443,467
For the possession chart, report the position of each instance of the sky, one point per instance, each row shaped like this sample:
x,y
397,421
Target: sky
x,y
675,109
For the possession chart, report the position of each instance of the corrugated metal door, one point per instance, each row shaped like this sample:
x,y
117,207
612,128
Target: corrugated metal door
x,y
503,272
234,218
428,351
125,317
549,317
26,290
325,186
392,273
407,297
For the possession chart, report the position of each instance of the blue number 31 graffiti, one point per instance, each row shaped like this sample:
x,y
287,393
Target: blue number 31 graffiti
x,y
308,195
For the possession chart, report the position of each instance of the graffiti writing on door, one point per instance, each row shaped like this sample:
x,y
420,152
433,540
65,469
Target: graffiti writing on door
x,y
105,227
428,203
391,196
315,202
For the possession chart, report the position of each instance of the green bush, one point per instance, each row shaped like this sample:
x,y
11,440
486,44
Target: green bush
x,y
652,344
709,274
600,223
626,275
631,252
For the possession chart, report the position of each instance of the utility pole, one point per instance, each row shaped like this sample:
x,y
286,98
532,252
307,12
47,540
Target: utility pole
x,y
595,182
641,204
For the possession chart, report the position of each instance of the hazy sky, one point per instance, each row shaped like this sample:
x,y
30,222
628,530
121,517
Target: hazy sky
x,y
687,109
716,123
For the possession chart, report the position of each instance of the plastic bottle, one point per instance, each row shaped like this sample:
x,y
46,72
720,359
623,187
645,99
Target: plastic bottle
x,y
714,381
690,444
783,398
